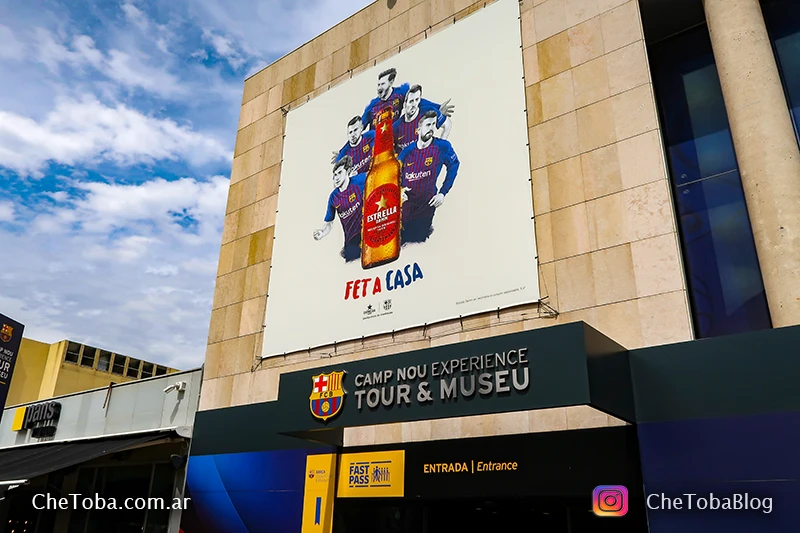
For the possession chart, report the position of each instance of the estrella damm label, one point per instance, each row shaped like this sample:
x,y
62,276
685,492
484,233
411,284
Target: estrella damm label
x,y
382,215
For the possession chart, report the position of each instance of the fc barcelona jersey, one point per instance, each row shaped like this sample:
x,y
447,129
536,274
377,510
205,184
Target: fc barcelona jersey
x,y
405,133
395,101
348,204
422,167
361,153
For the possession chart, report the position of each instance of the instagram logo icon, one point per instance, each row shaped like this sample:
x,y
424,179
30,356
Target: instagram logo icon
x,y
610,500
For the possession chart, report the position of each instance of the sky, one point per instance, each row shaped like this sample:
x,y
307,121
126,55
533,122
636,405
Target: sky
x,y
117,127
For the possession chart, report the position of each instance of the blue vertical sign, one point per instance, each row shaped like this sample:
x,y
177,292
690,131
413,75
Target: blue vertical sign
x,y
10,339
318,511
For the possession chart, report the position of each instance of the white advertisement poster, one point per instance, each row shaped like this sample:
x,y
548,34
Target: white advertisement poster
x,y
405,194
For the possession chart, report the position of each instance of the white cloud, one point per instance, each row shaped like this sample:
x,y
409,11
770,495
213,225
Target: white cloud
x,y
201,54
88,131
127,68
146,294
6,212
196,265
135,16
10,46
130,71
86,51
123,250
58,196
161,34
53,53
166,270
108,207
225,48
269,28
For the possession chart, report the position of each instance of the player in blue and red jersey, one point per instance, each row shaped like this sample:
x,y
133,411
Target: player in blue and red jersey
x,y
358,146
391,96
406,127
346,200
422,162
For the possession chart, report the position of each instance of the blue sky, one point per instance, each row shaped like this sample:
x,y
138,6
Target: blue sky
x,y
117,127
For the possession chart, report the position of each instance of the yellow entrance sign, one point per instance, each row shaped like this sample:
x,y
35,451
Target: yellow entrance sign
x,y
372,475
318,494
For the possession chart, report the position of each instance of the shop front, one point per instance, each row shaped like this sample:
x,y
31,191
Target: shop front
x,y
701,418
110,459
534,481
288,459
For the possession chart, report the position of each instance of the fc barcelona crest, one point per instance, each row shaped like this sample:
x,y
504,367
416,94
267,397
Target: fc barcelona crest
x,y
6,332
428,161
327,395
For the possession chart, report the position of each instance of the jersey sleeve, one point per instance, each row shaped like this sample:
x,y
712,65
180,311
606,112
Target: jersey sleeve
x,y
366,118
342,152
450,160
370,137
427,105
403,154
331,212
360,180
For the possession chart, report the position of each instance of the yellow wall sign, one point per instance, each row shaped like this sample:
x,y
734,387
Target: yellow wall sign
x,y
372,475
318,494
19,419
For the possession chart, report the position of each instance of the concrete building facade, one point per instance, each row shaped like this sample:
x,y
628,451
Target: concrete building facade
x,y
664,172
47,370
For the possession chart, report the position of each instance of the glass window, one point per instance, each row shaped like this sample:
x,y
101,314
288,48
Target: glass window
x,y
163,480
85,485
121,482
724,277
104,361
73,352
87,359
133,368
783,22
147,370
119,364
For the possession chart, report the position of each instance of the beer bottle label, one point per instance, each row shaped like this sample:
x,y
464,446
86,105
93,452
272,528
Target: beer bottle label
x,y
382,215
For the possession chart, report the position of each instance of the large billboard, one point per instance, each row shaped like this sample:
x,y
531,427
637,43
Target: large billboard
x,y
405,194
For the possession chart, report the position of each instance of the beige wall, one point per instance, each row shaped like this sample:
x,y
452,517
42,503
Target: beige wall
x,y
605,227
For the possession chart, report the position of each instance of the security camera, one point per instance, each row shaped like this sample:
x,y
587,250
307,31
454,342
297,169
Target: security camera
x,y
179,386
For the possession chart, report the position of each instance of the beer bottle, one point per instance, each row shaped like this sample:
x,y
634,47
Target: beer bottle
x,y
380,228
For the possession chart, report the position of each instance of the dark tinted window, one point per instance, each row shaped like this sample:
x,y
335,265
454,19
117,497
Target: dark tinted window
x,y
133,368
726,289
87,359
119,364
73,352
783,22
104,361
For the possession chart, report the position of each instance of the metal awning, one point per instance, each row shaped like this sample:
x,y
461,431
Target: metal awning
x,y
28,462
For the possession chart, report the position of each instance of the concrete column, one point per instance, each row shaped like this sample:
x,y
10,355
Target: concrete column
x,y
766,146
